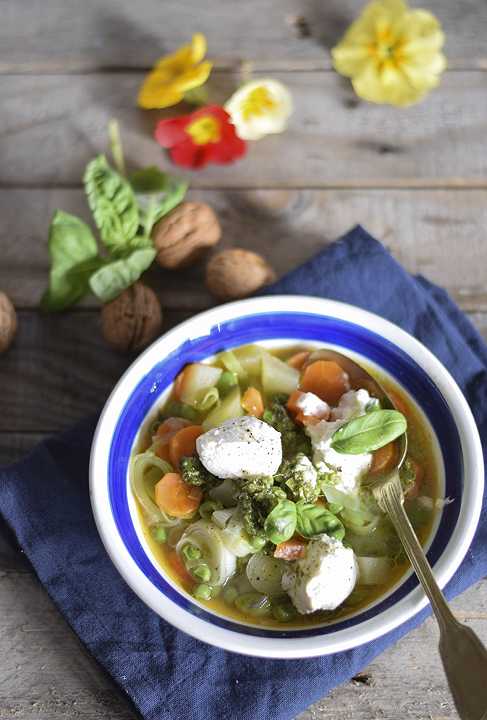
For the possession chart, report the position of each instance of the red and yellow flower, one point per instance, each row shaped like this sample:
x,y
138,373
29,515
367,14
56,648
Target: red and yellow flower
x,y
204,136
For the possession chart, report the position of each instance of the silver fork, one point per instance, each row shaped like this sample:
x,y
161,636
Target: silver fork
x,y
463,654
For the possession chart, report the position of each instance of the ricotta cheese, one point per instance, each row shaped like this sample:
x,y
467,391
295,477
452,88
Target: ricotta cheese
x,y
324,578
240,447
311,405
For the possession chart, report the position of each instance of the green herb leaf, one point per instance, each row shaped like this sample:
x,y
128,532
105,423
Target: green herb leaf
x,y
314,520
157,194
369,432
112,202
112,279
149,180
74,256
280,524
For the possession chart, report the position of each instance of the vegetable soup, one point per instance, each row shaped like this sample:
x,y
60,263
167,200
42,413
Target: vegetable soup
x,y
250,482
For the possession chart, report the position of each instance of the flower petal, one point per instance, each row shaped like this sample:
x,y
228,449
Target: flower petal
x,y
193,77
155,94
171,132
198,47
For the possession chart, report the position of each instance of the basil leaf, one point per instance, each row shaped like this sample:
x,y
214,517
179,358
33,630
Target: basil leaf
x,y
314,520
369,432
112,279
74,256
280,524
149,180
112,202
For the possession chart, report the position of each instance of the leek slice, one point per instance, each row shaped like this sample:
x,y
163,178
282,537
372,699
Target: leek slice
x,y
265,572
206,536
230,407
146,469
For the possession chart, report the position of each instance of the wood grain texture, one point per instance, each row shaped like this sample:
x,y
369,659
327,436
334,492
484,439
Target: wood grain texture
x,y
439,233
51,126
47,675
54,35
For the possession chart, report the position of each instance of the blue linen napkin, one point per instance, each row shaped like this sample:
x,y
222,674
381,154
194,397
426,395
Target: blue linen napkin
x,y
167,674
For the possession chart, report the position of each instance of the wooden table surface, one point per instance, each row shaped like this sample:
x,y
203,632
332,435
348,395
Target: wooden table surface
x,y
416,178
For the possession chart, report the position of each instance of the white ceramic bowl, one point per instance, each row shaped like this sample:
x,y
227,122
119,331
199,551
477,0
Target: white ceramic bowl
x,y
277,320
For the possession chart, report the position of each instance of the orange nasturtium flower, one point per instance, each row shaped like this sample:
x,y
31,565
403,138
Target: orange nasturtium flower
x,y
392,53
174,75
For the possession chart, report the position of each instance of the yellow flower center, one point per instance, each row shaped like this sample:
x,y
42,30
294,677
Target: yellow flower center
x,y
386,48
258,102
204,130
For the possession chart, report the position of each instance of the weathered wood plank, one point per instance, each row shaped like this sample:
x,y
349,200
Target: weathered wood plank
x,y
49,379
441,234
55,36
46,674
51,126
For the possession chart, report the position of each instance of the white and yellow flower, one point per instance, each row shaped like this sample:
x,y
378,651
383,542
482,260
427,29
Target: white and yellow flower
x,y
260,107
392,53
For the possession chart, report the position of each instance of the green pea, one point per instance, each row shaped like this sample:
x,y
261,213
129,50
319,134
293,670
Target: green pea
x,y
159,533
201,572
283,611
191,552
202,592
227,381
230,594
258,542
207,508
254,604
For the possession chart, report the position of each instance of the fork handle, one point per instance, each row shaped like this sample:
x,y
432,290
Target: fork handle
x,y
463,654
391,502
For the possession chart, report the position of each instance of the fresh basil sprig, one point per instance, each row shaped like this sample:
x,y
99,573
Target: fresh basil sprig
x,y
74,257
314,520
280,524
110,280
369,432
124,212
112,202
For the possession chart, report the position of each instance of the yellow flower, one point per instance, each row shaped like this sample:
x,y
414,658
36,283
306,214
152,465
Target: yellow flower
x,y
392,53
175,74
260,107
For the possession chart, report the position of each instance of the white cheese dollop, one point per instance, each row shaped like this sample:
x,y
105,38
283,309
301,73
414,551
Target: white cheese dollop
x,y
241,447
311,405
305,466
324,578
349,468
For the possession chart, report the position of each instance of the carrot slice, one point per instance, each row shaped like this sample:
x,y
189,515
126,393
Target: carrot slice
x,y
413,491
165,432
383,458
183,443
399,402
176,497
326,379
252,402
292,549
178,566
297,360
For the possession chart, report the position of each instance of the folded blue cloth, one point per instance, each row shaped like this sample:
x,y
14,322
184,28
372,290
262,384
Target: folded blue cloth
x,y
167,674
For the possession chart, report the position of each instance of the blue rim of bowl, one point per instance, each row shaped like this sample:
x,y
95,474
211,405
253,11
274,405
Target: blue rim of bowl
x,y
296,327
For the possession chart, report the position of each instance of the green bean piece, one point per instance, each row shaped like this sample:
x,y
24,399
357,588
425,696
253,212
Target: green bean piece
x,y
254,604
201,572
159,533
283,611
180,409
227,381
191,552
202,592
230,594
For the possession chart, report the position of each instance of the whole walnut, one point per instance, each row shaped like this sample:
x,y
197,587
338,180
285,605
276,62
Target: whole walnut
x,y
133,319
8,322
235,273
183,235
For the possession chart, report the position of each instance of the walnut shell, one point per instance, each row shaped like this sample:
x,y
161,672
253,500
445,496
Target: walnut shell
x,y
8,322
236,273
133,319
183,235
